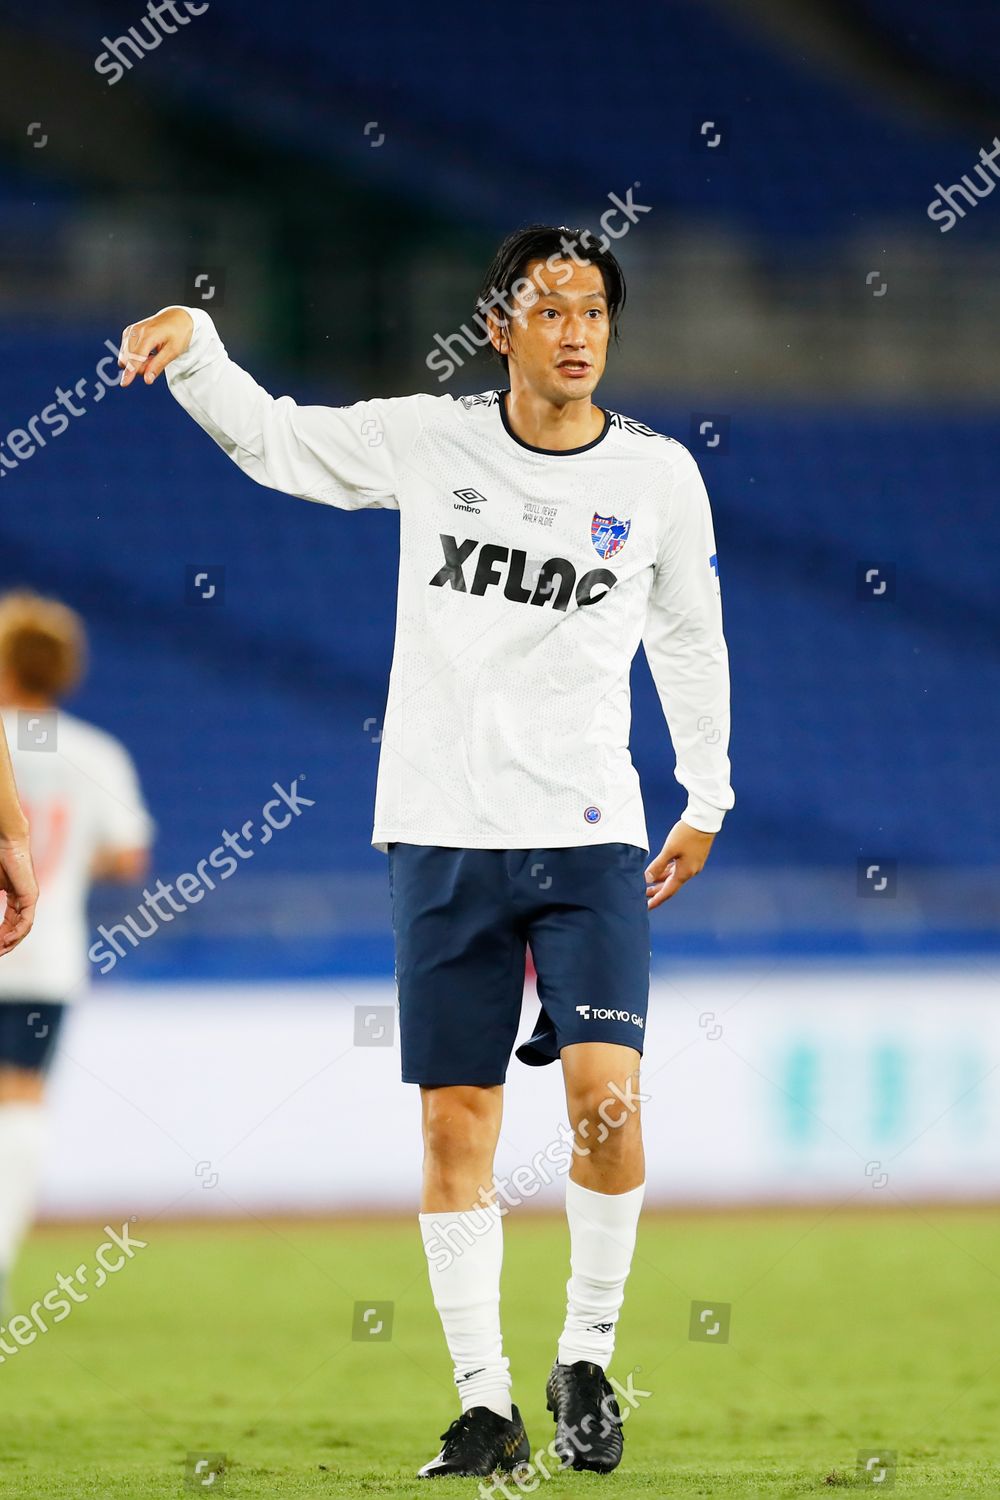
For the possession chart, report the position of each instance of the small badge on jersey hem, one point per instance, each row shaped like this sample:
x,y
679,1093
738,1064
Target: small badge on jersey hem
x,y
608,535
592,814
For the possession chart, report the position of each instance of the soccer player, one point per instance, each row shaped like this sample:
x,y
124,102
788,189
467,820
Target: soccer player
x,y
541,538
86,819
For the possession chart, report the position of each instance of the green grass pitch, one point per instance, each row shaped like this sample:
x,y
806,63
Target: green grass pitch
x,y
850,1332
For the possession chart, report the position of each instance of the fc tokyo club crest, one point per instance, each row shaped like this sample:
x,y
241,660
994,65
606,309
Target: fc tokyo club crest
x,y
608,534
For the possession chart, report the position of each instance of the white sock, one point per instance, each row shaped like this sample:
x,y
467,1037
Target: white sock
x,y
464,1254
602,1229
22,1143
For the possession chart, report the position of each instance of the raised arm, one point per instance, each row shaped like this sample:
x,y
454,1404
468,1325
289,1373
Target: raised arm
x,y
345,456
689,661
17,876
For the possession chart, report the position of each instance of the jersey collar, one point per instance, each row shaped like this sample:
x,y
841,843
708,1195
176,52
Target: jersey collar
x,y
550,452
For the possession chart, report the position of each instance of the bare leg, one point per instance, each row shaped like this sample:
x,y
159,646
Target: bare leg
x,y
461,1128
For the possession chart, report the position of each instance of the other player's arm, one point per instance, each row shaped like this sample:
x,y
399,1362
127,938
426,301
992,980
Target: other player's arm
x,y
17,875
343,456
124,828
128,866
689,661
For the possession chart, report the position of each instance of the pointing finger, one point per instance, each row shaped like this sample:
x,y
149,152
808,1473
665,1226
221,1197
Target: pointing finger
x,y
137,344
160,356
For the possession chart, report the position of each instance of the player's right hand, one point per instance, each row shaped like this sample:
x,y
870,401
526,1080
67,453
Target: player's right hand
x,y
17,882
149,346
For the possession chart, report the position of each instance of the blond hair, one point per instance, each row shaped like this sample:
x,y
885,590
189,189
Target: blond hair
x,y
42,644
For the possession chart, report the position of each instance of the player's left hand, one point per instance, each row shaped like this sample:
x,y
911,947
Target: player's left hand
x,y
17,881
682,856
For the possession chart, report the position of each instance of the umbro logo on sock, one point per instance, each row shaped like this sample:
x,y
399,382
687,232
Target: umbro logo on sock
x,y
468,1374
601,1327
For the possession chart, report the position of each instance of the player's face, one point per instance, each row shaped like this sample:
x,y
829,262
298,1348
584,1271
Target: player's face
x,y
558,339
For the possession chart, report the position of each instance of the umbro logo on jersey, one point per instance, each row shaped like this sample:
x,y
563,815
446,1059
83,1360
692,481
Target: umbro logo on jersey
x,y
471,500
555,580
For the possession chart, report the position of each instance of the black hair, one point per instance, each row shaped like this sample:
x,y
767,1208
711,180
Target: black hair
x,y
544,242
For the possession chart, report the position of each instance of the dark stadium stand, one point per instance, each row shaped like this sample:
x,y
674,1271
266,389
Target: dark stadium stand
x,y
962,41
316,89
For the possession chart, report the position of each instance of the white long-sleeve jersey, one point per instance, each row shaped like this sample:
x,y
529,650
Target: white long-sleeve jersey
x,y
527,579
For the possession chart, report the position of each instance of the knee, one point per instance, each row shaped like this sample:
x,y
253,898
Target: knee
x,y
606,1128
461,1125
21,1085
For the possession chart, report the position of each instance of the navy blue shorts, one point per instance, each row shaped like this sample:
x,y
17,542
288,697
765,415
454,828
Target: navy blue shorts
x,y
28,1031
462,919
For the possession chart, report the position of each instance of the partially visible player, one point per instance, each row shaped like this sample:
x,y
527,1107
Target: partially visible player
x,y
17,875
86,819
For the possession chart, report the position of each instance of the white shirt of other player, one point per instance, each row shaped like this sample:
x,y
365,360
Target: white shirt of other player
x,y
81,796
527,579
